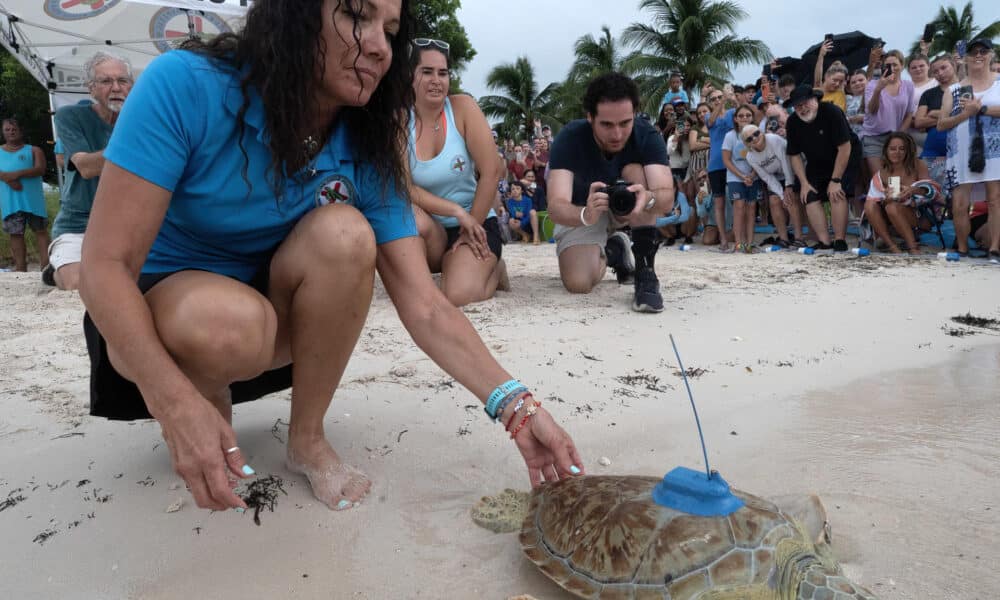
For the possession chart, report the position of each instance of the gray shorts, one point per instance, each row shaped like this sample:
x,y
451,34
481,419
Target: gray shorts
x,y
872,144
19,222
596,234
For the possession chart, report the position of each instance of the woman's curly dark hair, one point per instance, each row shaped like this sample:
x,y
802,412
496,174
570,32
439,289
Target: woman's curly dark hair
x,y
280,52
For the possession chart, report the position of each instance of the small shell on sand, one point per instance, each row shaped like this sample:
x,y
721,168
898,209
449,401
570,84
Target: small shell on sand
x,y
175,505
736,338
604,461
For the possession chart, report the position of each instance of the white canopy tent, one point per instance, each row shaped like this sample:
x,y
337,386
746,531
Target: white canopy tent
x,y
53,39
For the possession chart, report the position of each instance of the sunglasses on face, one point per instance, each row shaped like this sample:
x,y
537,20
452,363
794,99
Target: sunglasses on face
x,y
715,98
752,137
978,52
424,42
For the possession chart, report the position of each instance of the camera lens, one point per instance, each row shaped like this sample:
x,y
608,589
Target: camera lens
x,y
621,201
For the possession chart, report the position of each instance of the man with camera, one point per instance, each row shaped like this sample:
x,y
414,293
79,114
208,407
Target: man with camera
x,y
608,171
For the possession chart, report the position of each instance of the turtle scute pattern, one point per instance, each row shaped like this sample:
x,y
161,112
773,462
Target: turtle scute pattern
x,y
605,537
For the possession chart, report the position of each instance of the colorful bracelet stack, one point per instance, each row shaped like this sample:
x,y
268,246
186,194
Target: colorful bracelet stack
x,y
530,412
502,396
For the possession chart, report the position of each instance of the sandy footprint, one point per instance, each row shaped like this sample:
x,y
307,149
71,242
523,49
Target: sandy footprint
x,y
338,485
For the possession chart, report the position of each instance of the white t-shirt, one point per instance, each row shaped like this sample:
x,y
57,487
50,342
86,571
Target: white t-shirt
x,y
771,164
739,157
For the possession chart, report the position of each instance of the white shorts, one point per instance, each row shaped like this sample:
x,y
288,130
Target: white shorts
x,y
65,250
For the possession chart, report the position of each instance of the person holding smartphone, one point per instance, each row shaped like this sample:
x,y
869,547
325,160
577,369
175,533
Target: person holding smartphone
x,y
889,106
968,108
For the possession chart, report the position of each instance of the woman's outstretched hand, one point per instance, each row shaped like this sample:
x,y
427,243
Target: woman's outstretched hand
x,y
548,451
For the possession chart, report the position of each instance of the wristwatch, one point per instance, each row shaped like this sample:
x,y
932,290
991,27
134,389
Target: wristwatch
x,y
835,180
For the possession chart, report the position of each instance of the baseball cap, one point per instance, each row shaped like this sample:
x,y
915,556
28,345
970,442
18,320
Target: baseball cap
x,y
984,42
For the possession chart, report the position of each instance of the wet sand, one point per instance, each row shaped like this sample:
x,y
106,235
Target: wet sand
x,y
837,376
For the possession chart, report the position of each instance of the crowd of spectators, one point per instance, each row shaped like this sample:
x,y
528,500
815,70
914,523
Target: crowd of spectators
x,y
782,152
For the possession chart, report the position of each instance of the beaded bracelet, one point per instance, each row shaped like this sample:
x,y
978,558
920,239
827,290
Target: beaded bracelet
x,y
517,407
531,412
498,394
505,402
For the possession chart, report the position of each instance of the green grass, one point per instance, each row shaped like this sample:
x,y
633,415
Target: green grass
x,y
6,259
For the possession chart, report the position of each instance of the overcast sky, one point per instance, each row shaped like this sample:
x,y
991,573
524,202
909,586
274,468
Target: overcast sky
x,y
545,30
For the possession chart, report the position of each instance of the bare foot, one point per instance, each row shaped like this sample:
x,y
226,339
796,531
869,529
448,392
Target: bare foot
x,y
338,485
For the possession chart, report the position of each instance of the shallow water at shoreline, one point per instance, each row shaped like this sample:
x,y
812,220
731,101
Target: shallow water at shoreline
x,y
907,463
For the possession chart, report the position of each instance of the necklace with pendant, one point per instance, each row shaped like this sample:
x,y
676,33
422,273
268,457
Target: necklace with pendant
x,y
310,146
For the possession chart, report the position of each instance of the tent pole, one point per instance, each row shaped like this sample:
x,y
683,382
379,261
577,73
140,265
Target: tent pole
x,y
55,136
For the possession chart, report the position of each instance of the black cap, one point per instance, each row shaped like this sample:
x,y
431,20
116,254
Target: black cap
x,y
984,42
800,93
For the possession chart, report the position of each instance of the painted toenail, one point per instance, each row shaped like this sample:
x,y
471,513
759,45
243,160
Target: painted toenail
x,y
247,470
343,504
574,469
240,510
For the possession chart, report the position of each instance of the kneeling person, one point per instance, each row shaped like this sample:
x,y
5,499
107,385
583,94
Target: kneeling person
x,y
523,218
588,156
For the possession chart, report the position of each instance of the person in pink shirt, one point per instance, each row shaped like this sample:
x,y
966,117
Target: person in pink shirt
x,y
889,106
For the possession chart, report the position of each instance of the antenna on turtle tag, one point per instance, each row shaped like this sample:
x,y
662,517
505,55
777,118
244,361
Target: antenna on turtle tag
x,y
690,491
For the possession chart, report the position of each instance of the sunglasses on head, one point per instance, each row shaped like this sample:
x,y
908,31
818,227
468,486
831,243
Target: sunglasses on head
x,y
424,42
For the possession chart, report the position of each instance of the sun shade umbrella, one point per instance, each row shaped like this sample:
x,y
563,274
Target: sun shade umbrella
x,y
852,49
53,39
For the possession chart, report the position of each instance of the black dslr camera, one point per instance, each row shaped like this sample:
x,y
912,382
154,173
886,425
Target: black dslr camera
x,y
621,201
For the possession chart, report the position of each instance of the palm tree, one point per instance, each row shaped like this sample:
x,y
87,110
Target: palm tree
x,y
696,38
521,102
951,27
593,57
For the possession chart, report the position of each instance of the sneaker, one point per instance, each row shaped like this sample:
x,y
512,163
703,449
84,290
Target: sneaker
x,y
619,253
796,244
840,245
647,292
49,275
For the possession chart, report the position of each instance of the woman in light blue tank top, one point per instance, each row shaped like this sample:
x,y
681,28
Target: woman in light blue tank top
x,y
450,142
22,203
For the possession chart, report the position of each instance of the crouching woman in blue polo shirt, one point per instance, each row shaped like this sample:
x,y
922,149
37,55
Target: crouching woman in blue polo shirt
x,y
252,187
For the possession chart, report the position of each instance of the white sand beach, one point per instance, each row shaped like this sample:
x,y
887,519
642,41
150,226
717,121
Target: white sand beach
x,y
835,375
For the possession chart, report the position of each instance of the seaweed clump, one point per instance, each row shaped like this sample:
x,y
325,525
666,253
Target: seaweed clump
x,y
263,493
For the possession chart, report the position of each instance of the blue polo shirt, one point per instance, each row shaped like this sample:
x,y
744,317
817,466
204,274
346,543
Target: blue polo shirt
x,y
717,135
180,130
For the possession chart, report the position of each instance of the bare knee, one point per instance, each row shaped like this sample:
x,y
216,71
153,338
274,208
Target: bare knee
x,y
227,339
339,234
576,284
68,276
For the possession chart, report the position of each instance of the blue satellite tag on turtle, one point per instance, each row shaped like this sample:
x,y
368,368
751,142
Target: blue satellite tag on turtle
x,y
696,493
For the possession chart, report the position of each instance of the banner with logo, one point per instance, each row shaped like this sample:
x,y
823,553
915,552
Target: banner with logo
x,y
53,39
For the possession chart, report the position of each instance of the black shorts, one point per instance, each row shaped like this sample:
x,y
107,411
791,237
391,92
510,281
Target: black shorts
x,y
717,182
116,398
493,239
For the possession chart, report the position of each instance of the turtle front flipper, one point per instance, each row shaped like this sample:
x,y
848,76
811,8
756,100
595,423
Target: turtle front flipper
x,y
821,582
502,513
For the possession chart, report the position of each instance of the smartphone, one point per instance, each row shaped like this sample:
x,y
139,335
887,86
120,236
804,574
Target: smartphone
x,y
767,71
965,92
886,70
929,30
960,47
828,37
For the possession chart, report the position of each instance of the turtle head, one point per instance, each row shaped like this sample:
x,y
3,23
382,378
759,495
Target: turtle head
x,y
503,513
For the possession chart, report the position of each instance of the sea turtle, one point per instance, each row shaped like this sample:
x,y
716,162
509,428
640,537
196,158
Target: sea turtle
x,y
605,537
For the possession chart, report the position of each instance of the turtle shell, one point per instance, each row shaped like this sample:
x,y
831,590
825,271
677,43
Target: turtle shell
x,y
605,537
